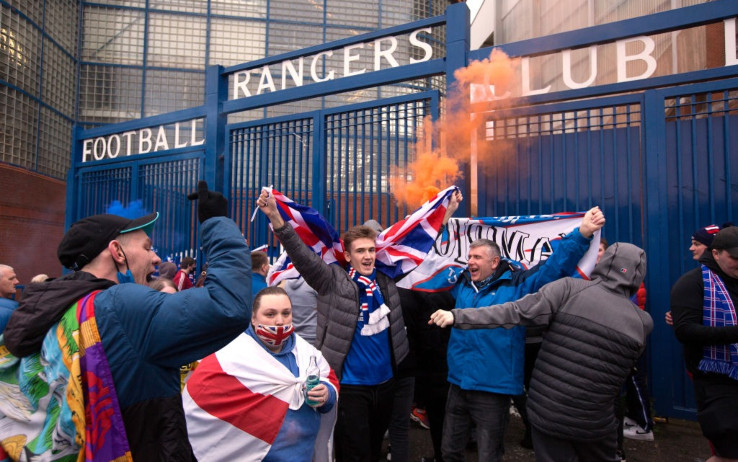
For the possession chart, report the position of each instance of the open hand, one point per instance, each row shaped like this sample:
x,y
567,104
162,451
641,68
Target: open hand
x,y
442,318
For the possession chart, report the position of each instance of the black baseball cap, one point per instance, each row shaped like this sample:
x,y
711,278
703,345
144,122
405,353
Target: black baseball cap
x,y
727,239
89,236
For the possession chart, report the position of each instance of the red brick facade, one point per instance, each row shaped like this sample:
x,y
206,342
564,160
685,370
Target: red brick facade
x,y
31,221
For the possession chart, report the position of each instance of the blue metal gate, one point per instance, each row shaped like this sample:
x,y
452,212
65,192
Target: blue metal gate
x,y
692,163
154,184
656,154
337,160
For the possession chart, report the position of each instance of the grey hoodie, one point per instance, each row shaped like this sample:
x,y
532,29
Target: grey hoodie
x,y
595,336
304,307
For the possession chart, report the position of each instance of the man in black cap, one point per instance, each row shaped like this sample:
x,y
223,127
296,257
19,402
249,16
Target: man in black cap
x,y
120,396
703,303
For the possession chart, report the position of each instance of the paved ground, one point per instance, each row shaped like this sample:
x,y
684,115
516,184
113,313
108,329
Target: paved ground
x,y
675,441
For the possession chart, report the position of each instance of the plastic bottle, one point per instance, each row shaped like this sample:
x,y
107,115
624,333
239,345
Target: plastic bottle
x,y
313,380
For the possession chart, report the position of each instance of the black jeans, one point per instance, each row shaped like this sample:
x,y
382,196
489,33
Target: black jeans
x,y
399,427
551,449
364,413
489,411
636,396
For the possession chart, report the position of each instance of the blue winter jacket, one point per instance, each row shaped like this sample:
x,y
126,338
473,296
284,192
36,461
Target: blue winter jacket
x,y
7,306
147,335
492,359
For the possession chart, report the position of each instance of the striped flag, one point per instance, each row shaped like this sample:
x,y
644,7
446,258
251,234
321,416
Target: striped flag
x,y
524,241
237,398
400,248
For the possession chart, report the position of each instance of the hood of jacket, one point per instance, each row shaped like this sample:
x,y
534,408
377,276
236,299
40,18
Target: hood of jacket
x,y
42,306
295,284
621,269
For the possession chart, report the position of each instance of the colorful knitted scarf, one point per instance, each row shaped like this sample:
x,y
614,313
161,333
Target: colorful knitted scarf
x,y
62,399
373,316
718,311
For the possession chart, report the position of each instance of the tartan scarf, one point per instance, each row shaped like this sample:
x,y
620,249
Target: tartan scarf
x,y
718,310
373,316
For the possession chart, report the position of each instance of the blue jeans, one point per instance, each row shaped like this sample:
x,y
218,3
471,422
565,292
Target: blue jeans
x,y
490,413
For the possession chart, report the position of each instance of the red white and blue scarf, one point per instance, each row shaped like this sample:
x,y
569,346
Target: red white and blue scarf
x,y
718,311
373,317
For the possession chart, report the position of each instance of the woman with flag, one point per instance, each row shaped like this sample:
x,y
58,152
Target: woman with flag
x,y
249,401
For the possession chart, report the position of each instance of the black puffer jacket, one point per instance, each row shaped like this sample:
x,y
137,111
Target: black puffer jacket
x,y
687,298
595,336
338,303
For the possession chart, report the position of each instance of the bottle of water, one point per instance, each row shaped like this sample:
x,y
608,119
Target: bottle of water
x,y
313,380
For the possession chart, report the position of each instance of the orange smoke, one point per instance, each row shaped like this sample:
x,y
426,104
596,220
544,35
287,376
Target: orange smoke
x,y
437,166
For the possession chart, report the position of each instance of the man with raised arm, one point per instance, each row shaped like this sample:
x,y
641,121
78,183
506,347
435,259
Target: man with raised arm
x,y
485,367
100,351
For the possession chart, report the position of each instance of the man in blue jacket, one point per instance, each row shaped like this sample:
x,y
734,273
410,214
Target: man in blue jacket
x,y
8,281
145,337
485,367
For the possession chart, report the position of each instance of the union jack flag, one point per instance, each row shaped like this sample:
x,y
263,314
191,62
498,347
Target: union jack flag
x,y
400,248
274,335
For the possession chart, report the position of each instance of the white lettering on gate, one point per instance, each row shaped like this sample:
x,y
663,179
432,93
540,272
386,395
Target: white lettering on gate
x,y
111,146
623,58
730,51
568,80
383,53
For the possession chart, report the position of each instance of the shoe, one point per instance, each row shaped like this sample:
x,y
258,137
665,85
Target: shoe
x,y
637,433
628,422
389,452
420,417
620,454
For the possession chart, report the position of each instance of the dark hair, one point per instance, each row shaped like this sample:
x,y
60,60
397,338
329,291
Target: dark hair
x,y
258,259
187,262
357,232
167,269
269,290
604,242
159,283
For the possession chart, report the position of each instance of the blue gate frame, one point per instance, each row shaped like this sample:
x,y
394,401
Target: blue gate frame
x,y
336,160
663,166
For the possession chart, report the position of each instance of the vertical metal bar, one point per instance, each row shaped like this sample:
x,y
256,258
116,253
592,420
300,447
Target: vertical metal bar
x,y
577,176
656,226
345,193
710,154
372,154
693,147
726,155
319,165
589,159
358,192
616,178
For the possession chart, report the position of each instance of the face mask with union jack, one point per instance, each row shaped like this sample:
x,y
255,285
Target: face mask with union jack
x,y
274,335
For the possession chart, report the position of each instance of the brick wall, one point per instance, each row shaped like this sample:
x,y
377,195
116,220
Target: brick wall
x,y
31,221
